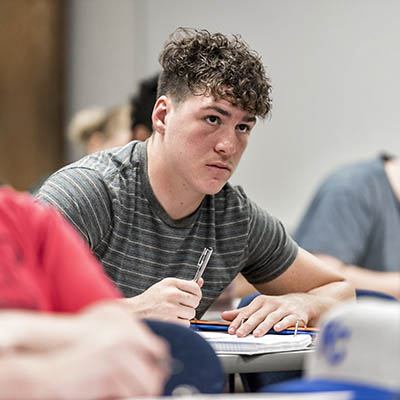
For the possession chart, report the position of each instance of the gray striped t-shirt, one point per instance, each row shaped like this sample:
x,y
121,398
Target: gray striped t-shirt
x,y
108,198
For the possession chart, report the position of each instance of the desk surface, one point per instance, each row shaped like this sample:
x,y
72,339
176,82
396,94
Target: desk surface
x,y
283,361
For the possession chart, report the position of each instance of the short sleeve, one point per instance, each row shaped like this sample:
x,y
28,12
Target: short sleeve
x,y
82,197
271,250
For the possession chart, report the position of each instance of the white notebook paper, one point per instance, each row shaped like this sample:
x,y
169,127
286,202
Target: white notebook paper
x,y
223,343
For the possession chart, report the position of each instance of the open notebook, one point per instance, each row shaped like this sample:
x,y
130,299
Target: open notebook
x,y
224,343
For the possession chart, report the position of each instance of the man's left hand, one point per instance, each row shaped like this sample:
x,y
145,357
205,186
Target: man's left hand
x,y
266,312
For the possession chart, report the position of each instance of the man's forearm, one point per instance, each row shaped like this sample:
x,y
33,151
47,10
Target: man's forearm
x,y
327,296
362,278
387,282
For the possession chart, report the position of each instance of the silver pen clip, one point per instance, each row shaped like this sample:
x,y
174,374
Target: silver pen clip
x,y
202,263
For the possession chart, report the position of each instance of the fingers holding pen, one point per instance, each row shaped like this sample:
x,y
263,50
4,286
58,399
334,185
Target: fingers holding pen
x,y
190,292
191,287
171,299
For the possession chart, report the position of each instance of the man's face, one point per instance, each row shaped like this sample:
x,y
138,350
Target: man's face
x,y
204,140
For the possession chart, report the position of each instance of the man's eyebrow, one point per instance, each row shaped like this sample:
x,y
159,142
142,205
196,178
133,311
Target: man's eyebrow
x,y
227,113
219,110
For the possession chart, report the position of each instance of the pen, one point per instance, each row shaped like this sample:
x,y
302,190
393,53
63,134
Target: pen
x,y
202,263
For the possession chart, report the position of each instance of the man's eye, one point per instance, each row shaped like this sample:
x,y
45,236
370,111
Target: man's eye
x,y
212,119
243,128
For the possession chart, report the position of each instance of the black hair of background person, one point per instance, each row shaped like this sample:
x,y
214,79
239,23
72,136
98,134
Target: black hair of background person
x,y
143,102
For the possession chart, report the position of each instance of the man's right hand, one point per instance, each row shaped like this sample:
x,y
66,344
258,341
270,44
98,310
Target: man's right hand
x,y
172,300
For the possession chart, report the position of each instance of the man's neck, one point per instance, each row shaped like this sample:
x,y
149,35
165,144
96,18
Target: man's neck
x,y
392,169
177,201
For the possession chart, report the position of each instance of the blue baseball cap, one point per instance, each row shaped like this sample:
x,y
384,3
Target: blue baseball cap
x,y
356,351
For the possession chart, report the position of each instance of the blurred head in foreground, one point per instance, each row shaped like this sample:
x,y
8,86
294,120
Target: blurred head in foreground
x,y
357,350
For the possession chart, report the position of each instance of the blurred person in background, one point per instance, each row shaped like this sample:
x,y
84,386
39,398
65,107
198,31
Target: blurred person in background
x,y
94,129
142,104
97,128
353,224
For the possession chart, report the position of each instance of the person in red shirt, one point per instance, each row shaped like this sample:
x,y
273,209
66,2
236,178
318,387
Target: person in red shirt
x,y
64,333
42,257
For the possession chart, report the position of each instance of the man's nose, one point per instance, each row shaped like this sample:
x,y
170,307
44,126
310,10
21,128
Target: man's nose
x,y
226,143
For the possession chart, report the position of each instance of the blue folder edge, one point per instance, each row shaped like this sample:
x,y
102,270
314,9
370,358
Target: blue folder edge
x,y
224,328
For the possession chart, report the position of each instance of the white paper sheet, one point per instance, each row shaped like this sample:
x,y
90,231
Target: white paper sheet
x,y
223,343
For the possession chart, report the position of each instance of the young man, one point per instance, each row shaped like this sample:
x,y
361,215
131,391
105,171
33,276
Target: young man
x,y
353,224
149,209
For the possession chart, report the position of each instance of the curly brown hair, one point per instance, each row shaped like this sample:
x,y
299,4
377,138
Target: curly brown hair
x,y
198,62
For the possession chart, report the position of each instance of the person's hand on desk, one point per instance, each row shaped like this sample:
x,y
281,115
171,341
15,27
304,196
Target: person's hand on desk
x,y
267,312
171,299
306,290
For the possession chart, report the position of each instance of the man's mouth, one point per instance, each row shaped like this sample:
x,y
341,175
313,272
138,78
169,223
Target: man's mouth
x,y
219,166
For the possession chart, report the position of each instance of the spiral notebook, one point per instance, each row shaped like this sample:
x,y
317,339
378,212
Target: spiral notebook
x,y
224,343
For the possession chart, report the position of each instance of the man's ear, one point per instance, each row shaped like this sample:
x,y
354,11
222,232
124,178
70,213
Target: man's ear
x,y
160,112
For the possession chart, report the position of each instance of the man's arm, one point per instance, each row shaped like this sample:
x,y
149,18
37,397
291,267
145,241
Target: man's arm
x,y
303,292
83,198
386,282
